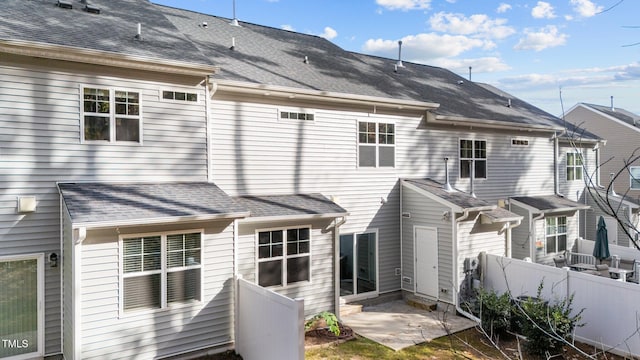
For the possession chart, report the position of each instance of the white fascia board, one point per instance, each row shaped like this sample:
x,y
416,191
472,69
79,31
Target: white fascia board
x,y
232,86
491,124
156,221
105,58
259,219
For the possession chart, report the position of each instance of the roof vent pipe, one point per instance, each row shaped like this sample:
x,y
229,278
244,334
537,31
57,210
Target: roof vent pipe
x,y
612,107
399,63
469,73
234,22
139,34
447,186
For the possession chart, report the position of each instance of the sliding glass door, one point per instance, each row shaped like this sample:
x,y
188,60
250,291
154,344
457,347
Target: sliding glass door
x,y
20,307
358,264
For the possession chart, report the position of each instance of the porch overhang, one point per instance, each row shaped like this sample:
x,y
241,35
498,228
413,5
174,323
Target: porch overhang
x,y
290,207
548,204
499,215
94,206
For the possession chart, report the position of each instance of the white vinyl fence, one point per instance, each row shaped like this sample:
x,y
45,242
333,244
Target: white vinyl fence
x,y
611,308
270,326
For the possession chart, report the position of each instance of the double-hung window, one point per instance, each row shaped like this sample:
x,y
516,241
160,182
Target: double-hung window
x,y
161,270
376,144
556,234
574,166
110,115
634,177
284,256
473,154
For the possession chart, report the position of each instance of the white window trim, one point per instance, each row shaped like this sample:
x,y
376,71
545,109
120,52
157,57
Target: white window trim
x,y
39,257
164,306
486,160
161,97
556,234
377,145
112,116
296,110
580,155
285,284
631,169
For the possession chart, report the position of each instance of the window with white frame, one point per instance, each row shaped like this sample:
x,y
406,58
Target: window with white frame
x,y
556,234
376,144
161,270
179,96
634,177
473,153
110,115
284,256
574,166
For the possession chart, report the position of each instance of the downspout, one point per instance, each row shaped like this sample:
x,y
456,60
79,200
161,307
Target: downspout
x,y
61,267
556,172
336,266
236,301
78,236
209,126
508,227
532,233
456,272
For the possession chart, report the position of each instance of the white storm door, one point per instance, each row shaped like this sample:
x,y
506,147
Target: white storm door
x,y
426,253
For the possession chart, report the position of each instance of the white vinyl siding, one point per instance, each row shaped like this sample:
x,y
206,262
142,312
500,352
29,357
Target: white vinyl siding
x,y
40,145
318,292
106,332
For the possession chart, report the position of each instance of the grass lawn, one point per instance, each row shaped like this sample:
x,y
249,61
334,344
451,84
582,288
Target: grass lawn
x,y
463,345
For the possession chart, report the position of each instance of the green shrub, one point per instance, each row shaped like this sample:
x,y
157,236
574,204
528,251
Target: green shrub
x,y
546,325
494,312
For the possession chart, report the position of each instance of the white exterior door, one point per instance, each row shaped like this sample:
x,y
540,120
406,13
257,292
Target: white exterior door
x,y
426,253
612,229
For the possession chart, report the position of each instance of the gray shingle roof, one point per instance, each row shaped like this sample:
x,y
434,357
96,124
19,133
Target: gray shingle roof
x,y
99,203
291,205
113,30
620,114
459,198
550,203
265,55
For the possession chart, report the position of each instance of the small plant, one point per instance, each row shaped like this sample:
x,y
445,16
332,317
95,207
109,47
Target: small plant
x,y
325,317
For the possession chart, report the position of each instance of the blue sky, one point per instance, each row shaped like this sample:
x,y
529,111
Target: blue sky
x,y
531,49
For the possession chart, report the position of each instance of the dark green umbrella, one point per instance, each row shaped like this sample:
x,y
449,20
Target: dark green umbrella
x,y
601,247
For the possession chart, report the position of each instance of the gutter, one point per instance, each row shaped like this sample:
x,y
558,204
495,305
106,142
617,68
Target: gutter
x,y
105,58
245,88
162,220
490,124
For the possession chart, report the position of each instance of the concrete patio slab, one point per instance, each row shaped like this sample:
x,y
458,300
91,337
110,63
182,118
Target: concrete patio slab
x,y
397,325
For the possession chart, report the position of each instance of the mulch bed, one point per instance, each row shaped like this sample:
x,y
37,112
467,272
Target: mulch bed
x,y
322,336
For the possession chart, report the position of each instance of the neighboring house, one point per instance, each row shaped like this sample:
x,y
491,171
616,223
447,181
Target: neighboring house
x,y
621,131
149,165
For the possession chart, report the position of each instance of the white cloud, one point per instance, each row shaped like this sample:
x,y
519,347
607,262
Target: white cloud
x,y
329,33
478,65
543,10
503,8
547,37
479,25
404,4
423,48
586,8
287,27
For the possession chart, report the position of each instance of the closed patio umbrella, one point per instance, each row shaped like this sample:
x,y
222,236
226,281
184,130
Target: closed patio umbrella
x,y
601,247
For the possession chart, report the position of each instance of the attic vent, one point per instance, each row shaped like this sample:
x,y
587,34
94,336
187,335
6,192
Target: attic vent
x,y
65,4
92,9
519,142
296,115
